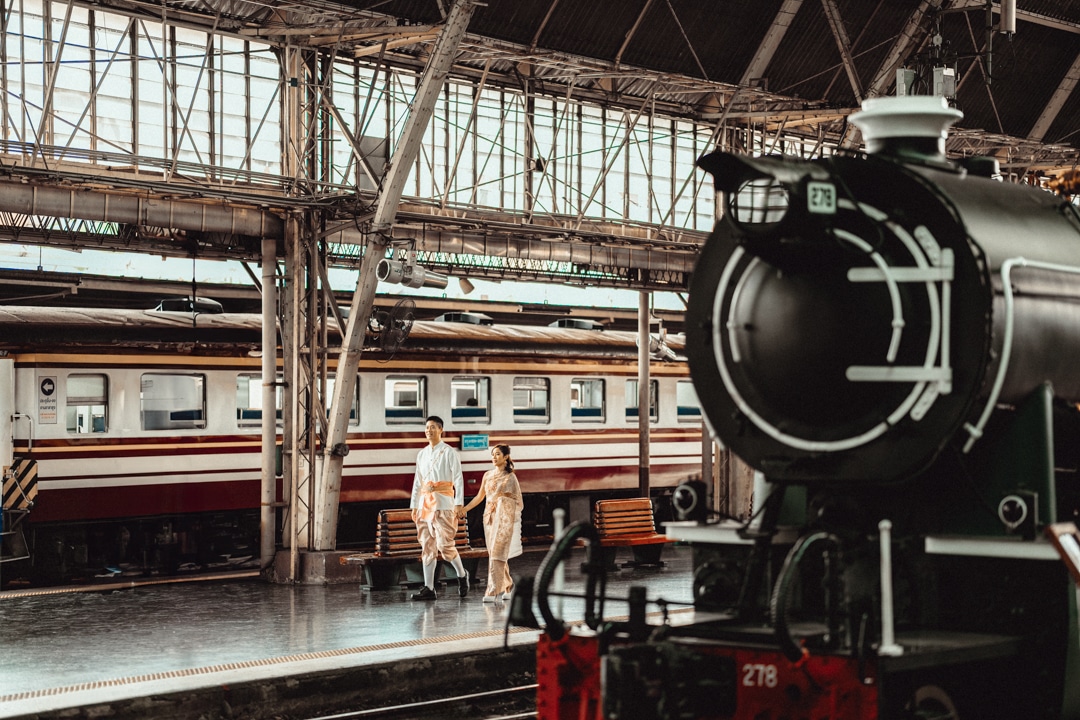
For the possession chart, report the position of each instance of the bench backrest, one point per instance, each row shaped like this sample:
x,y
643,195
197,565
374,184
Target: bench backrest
x,y
633,516
396,534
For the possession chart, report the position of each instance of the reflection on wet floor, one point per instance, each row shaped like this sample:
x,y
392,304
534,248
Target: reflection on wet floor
x,y
61,640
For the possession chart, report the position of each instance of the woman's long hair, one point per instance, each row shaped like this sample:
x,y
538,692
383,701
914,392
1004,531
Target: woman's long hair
x,y
505,450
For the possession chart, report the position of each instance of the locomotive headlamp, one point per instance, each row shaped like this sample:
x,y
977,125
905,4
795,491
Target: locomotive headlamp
x,y
1018,512
760,203
690,501
767,195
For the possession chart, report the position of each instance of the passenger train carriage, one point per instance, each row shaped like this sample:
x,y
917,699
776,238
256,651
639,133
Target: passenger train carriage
x,y
134,436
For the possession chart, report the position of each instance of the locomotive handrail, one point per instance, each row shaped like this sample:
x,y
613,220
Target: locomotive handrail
x,y
595,575
890,281
975,431
783,589
888,645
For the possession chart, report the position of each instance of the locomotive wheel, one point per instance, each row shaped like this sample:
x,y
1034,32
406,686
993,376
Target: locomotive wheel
x,y
930,702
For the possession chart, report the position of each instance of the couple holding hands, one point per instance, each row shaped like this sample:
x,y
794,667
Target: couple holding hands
x,y
438,498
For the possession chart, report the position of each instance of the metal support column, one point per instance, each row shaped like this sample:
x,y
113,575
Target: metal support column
x,y
401,164
267,527
644,406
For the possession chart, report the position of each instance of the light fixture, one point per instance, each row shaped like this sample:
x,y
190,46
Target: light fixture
x,y
466,286
413,276
1007,18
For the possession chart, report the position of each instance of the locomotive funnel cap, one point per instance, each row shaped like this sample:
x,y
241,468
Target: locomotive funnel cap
x,y
914,126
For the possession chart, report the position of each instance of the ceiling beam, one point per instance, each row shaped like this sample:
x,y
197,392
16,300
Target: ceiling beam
x,y
633,30
543,24
345,30
764,55
907,43
1021,14
366,50
800,116
843,44
1057,101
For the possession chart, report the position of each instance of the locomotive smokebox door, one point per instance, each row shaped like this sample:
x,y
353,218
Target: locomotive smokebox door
x,y
826,333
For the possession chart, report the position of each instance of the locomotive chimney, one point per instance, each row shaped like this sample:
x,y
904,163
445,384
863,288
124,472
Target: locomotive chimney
x,y
912,127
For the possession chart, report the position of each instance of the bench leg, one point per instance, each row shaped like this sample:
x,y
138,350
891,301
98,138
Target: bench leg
x,y
471,565
607,558
646,556
414,573
448,572
381,576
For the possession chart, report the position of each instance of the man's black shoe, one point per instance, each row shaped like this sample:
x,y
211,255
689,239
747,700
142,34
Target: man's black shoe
x,y
463,584
425,593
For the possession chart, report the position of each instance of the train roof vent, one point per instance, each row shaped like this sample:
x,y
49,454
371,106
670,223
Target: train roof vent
x,y
577,323
201,305
465,317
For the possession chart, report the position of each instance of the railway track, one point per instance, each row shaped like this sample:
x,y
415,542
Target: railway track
x,y
512,703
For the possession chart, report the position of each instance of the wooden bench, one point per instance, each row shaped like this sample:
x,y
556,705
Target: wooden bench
x,y
397,549
629,523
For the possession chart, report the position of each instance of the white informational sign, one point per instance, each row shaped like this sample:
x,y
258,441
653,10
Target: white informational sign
x,y
47,400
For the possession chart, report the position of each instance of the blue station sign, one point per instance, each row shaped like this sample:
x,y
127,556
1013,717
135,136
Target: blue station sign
x,y
474,442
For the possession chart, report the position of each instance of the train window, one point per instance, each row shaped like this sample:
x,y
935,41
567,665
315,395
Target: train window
x,y
587,400
632,400
405,400
249,399
354,411
172,401
686,400
531,400
470,399
87,403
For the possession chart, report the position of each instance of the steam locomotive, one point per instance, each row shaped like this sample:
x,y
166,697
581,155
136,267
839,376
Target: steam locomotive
x,y
891,341
131,438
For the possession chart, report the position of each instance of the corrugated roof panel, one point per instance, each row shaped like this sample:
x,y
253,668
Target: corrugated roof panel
x,y
1066,126
590,29
1064,10
723,35
809,63
718,40
1025,76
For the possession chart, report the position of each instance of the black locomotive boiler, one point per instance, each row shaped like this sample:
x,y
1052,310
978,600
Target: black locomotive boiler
x,y
892,341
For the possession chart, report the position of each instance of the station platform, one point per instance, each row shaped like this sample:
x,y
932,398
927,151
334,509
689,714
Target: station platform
x,y
238,646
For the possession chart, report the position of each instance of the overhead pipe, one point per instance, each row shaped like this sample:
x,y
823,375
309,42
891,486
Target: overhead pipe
x,y
26,199
104,206
571,249
97,205
568,251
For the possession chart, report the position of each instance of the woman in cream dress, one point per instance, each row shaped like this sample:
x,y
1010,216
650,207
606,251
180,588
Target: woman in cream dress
x,y
502,521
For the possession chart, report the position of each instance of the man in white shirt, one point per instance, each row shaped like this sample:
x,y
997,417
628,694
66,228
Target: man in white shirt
x,y
437,495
